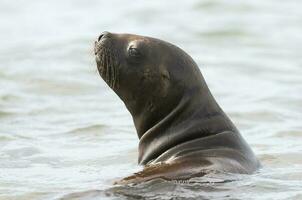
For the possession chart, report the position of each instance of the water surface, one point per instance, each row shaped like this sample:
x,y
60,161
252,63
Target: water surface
x,y
65,134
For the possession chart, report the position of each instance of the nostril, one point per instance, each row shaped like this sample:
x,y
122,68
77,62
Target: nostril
x,y
102,35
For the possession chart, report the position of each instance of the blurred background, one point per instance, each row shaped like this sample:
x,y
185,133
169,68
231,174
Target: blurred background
x,y
62,130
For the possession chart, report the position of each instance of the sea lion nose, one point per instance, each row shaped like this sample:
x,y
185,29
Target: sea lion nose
x,y
105,33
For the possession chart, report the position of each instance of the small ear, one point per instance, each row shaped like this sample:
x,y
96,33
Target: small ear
x,y
165,74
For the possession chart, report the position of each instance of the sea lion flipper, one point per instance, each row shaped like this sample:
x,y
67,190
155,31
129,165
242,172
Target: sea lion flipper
x,y
166,171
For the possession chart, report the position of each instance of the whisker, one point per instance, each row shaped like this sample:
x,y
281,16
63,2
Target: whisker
x,y
108,67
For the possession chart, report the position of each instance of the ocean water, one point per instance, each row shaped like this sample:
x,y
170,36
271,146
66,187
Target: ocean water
x,y
65,135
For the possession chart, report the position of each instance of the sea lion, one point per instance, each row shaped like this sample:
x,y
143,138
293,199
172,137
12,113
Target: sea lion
x,y
182,130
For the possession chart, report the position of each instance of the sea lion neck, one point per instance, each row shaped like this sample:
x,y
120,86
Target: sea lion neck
x,y
195,115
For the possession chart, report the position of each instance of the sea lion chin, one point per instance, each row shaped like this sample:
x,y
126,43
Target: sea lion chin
x,y
182,130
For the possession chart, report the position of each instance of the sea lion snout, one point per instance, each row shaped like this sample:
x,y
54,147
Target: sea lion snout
x,y
103,35
98,42
107,59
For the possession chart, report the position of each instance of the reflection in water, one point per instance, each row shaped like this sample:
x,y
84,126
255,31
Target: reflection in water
x,y
196,188
65,134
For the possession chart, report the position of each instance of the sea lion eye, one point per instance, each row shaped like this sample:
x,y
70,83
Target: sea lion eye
x,y
133,52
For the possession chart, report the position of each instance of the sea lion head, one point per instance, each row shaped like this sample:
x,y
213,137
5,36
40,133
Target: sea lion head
x,y
157,81
148,74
